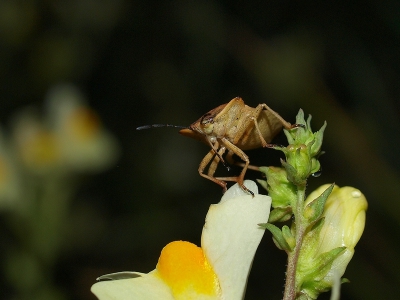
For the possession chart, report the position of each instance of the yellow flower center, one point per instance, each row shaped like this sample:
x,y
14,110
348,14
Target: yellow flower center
x,y
183,266
83,123
41,150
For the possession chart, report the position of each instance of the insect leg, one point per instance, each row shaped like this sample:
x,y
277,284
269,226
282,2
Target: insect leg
x,y
214,146
229,158
239,179
203,165
215,162
285,124
263,142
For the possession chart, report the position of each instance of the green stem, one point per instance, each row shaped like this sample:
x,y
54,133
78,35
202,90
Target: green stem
x,y
290,284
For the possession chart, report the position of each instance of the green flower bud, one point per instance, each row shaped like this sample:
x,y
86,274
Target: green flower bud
x,y
282,192
329,245
303,150
344,215
299,158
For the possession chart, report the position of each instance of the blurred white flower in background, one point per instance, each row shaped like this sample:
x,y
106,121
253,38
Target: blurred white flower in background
x,y
69,138
40,162
84,143
36,145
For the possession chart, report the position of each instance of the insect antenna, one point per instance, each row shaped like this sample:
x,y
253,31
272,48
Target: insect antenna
x,y
160,125
181,127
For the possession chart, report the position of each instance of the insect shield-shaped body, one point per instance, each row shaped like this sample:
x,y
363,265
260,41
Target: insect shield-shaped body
x,y
232,128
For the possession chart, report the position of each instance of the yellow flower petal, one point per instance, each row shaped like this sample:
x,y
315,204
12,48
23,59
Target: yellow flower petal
x,y
184,268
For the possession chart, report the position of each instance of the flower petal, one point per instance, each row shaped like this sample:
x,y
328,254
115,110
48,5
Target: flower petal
x,y
231,236
145,287
229,241
185,269
344,217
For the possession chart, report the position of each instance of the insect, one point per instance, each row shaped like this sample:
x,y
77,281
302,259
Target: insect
x,y
232,128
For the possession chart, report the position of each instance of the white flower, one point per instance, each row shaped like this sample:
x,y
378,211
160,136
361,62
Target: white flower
x,y
344,224
328,248
35,145
217,270
69,138
84,143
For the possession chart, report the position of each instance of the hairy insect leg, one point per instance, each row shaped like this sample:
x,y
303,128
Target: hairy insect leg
x,y
229,158
285,123
214,146
252,122
263,142
214,163
239,179
211,156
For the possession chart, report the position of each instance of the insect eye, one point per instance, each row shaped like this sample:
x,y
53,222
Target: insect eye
x,y
207,123
207,119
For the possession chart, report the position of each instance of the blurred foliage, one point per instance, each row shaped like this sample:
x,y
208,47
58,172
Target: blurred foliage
x,y
144,62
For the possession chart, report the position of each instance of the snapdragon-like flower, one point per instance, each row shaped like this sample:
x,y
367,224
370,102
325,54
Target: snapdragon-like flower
x,y
85,144
329,246
70,137
35,145
216,270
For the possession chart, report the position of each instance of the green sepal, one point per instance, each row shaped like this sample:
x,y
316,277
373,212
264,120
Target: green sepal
x,y
303,297
311,291
280,214
289,138
292,135
315,165
288,236
318,138
262,182
324,262
315,228
309,122
277,236
312,283
344,280
300,118
315,208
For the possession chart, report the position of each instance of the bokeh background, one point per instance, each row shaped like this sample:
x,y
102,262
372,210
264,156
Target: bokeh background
x,y
145,62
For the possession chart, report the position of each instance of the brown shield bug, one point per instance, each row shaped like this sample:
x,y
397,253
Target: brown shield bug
x,y
232,127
